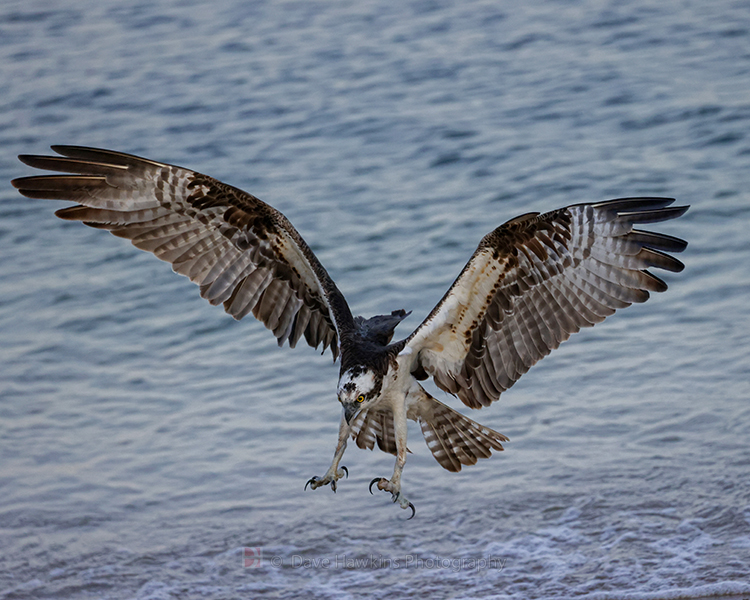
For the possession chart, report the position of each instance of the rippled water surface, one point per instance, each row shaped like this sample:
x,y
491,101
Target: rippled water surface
x,y
146,438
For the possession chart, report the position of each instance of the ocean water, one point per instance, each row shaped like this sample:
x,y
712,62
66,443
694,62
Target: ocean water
x,y
149,444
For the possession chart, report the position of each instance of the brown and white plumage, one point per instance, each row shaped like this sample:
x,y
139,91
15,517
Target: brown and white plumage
x,y
534,281
531,283
241,252
453,439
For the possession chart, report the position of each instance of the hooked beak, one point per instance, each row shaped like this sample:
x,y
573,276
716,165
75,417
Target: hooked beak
x,y
351,410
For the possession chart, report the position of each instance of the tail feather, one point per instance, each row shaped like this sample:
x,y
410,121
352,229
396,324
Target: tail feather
x,y
454,439
375,426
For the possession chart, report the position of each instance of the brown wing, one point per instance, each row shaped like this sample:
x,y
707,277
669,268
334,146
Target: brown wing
x,y
239,250
534,281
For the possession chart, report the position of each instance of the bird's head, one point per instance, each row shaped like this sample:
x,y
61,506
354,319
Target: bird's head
x,y
358,388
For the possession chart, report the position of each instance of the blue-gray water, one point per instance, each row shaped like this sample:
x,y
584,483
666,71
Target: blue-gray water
x,y
146,438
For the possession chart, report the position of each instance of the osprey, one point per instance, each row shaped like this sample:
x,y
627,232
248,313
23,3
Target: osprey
x,y
530,284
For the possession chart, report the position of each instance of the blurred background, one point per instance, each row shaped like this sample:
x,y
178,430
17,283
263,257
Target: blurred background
x,y
146,438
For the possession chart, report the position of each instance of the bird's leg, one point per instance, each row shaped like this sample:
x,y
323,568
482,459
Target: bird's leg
x,y
334,473
394,484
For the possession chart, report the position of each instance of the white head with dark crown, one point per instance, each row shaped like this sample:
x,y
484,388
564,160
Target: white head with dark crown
x,y
359,387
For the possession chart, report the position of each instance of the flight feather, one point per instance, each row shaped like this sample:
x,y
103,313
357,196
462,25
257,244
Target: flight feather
x,y
242,253
533,282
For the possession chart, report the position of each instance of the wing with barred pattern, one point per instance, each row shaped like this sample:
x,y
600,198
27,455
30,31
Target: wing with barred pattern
x,y
533,282
242,253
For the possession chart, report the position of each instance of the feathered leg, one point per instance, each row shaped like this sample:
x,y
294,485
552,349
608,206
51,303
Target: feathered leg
x,y
394,484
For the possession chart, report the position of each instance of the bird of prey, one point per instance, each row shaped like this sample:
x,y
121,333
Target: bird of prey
x,y
530,284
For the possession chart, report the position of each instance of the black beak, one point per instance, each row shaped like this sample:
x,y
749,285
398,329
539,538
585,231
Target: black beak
x,y
350,411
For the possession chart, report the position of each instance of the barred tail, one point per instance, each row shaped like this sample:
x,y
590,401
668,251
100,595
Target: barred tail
x,y
454,439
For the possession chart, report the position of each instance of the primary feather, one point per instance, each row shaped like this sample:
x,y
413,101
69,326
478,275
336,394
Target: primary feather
x,y
533,282
242,253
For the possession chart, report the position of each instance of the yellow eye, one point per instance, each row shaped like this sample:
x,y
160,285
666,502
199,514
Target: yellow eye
x,y
361,398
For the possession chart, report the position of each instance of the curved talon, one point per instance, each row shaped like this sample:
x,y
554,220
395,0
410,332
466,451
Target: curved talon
x,y
372,482
413,511
317,482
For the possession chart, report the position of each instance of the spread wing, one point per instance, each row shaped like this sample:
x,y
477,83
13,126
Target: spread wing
x,y
239,250
534,281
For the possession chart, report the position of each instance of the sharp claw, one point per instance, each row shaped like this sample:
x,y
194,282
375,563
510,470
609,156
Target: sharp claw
x,y
345,470
320,481
395,496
